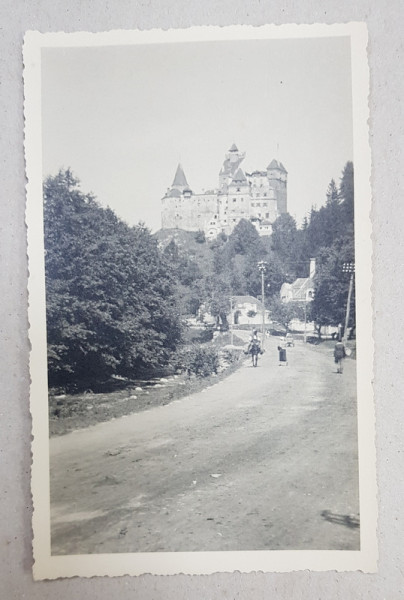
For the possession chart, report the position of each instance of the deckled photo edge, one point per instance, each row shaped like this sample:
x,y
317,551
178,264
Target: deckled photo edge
x,y
47,566
364,252
36,299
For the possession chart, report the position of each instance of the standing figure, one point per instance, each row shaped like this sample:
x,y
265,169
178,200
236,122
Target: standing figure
x,y
254,347
339,355
282,356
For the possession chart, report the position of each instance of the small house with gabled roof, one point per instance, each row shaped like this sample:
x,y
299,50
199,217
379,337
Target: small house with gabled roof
x,y
247,310
302,289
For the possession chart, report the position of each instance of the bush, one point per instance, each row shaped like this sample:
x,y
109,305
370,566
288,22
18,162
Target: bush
x,y
229,356
198,360
200,237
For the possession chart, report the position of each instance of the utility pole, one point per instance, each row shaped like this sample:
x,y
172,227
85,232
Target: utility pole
x,y
231,320
348,267
262,267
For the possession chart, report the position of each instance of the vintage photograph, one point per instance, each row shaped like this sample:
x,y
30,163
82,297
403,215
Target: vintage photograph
x,y
199,259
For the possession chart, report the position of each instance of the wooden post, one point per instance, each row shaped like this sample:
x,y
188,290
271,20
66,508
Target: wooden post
x,y
348,307
231,320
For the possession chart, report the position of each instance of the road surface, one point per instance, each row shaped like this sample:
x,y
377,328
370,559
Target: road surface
x,y
266,459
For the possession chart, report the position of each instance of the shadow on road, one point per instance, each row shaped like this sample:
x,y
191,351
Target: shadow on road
x,y
348,520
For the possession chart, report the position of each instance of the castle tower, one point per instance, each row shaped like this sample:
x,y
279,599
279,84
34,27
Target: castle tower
x,y
172,213
182,209
278,178
180,182
233,159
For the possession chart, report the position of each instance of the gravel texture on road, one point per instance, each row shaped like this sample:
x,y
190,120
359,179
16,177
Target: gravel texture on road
x,y
265,459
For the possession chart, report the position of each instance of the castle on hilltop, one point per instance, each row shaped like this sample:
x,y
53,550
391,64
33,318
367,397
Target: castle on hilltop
x,y
260,196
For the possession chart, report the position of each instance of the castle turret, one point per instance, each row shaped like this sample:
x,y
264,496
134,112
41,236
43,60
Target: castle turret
x,y
180,182
231,163
278,177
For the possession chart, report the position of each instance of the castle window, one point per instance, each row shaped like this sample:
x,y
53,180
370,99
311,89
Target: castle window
x,y
265,195
234,199
267,215
258,204
252,203
238,189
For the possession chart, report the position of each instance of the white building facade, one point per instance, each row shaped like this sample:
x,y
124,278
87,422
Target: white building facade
x,y
260,197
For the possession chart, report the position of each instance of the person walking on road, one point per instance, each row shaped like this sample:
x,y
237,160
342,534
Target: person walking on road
x,y
339,355
282,355
254,347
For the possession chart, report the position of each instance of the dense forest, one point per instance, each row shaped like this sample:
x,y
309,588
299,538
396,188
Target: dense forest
x,y
118,296
327,234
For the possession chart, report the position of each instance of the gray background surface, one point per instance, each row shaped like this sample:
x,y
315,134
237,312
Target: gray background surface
x,y
385,22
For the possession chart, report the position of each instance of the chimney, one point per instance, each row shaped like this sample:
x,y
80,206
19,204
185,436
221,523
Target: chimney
x,y
312,267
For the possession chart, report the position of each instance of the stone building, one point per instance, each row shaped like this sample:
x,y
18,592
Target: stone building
x,y
260,196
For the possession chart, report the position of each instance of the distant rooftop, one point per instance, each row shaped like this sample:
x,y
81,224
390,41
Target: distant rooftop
x,y
239,176
180,181
247,300
274,164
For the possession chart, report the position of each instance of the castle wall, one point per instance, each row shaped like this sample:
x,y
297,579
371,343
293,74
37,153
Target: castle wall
x,y
191,213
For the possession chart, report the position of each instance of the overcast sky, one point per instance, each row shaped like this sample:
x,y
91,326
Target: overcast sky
x,y
123,117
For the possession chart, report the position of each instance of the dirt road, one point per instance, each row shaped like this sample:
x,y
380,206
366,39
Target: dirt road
x,y
265,459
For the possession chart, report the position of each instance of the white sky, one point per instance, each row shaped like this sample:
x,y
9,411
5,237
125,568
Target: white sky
x,y
123,117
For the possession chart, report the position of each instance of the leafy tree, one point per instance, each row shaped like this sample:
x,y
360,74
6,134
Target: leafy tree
x,y
245,239
188,277
111,307
200,237
331,285
218,299
285,312
286,244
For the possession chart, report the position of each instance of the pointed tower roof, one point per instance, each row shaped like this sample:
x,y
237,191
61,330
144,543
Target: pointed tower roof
x,y
239,176
180,181
274,164
233,148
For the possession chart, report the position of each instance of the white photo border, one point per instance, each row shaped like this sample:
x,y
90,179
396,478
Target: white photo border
x,y
47,566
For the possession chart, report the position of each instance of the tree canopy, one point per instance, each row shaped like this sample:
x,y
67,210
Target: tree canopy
x,y
111,306
115,300
331,235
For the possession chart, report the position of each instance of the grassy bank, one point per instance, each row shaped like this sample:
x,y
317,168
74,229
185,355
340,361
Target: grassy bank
x,y
68,412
